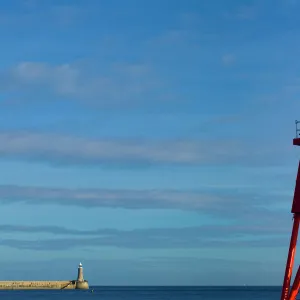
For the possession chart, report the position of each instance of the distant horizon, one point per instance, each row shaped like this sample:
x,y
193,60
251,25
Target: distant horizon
x,y
188,286
91,286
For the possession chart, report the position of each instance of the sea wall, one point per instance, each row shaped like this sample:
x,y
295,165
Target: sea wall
x,y
35,285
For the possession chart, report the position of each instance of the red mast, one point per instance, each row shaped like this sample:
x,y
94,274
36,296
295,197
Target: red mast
x,y
286,294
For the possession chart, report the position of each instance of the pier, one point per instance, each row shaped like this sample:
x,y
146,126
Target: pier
x,y
79,284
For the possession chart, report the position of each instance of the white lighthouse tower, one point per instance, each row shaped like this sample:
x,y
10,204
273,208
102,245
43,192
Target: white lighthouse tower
x,y
80,282
80,273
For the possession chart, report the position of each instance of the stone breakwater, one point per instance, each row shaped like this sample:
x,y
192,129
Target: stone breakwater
x,y
79,284
34,285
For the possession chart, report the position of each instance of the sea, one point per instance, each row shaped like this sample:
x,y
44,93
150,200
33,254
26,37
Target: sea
x,y
149,293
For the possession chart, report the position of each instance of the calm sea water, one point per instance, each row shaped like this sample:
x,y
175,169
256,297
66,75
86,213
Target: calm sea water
x,y
150,293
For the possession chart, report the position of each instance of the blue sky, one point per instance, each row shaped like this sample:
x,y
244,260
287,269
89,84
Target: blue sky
x,y
150,140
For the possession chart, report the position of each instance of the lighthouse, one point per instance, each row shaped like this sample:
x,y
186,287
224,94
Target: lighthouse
x,y
80,273
80,282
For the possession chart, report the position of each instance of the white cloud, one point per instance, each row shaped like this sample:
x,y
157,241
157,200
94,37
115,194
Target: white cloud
x,y
63,78
228,59
242,13
117,83
206,231
71,149
60,147
227,203
133,199
190,237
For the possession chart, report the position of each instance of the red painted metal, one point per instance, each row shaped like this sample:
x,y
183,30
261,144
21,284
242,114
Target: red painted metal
x,y
290,259
296,200
296,286
296,142
286,294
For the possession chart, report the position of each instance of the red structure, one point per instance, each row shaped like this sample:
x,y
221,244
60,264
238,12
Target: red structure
x,y
286,293
296,285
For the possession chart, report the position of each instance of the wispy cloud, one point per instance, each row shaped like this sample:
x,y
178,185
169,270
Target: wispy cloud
x,y
64,149
193,237
114,198
142,243
242,13
232,203
228,59
39,12
246,13
75,149
205,231
117,83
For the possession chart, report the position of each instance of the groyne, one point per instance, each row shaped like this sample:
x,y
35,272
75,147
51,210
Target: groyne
x,y
80,284
34,285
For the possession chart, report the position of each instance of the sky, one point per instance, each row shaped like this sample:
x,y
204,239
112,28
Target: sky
x,y
149,140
